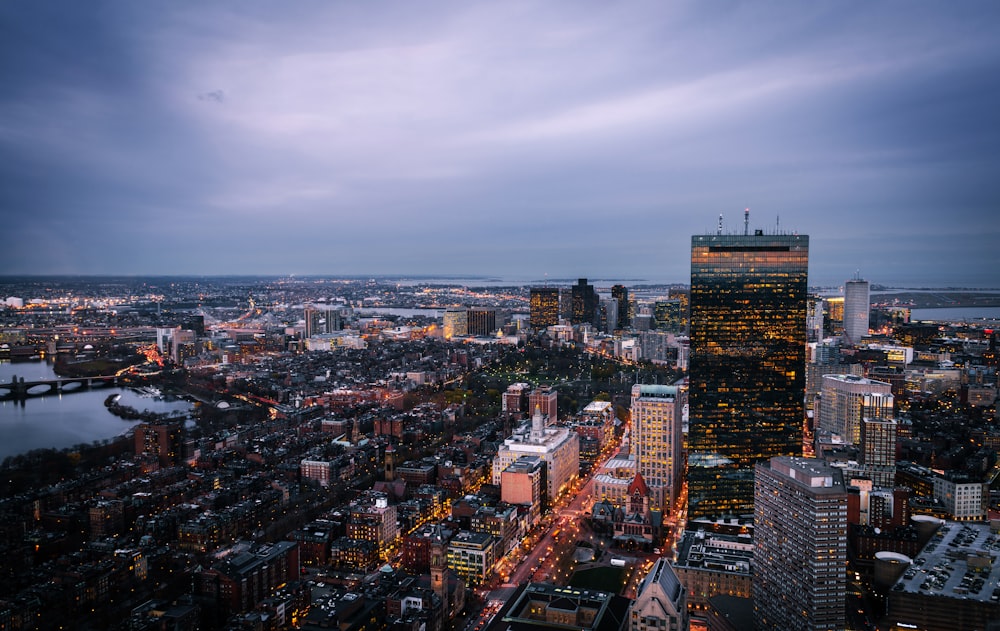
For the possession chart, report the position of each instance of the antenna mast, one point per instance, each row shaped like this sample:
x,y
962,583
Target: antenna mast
x,y
720,225
746,222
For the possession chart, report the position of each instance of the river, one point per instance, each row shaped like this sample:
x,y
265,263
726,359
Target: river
x,y
64,420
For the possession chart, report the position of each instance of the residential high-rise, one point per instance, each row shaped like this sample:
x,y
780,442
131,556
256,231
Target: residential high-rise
x,y
619,293
878,450
857,304
800,545
846,399
747,363
323,319
547,400
544,307
656,430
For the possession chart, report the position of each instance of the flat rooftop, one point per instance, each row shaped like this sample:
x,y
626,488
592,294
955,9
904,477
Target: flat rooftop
x,y
962,560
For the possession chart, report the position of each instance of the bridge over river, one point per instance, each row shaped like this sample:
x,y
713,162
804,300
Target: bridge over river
x,y
19,389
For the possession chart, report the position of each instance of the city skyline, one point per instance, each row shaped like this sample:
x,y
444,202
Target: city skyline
x,y
537,139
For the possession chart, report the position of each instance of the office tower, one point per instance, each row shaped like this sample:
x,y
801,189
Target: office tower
x,y
547,400
684,296
878,451
322,319
800,545
747,363
669,315
846,399
619,293
660,602
857,304
814,319
544,307
656,426
584,303
482,321
609,318
455,322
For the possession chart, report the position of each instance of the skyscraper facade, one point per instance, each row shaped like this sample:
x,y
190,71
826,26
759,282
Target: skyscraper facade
x,y
482,321
656,425
857,304
800,545
747,363
455,322
619,293
585,303
543,307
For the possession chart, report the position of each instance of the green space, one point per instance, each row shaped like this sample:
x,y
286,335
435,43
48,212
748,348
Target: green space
x,y
608,579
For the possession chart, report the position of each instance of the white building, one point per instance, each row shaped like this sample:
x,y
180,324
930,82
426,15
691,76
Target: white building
x,y
965,501
559,447
857,303
845,398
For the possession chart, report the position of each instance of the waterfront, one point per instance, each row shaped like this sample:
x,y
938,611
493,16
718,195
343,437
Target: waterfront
x,y
63,420
955,314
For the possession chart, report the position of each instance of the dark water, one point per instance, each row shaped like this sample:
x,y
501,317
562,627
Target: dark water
x,y
64,420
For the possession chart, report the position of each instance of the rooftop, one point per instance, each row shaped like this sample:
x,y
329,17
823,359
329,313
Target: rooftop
x,y
960,561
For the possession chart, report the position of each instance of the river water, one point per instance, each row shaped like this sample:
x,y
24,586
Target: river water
x,y
64,420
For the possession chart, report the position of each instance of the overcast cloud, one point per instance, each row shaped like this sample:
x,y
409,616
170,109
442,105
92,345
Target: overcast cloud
x,y
503,138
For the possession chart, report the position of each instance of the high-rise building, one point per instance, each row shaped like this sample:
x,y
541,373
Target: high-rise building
x,y
747,363
878,450
544,307
846,399
455,322
323,319
482,321
656,430
800,545
619,293
585,303
857,304
609,319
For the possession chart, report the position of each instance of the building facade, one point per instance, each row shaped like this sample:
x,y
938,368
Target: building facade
x,y
800,545
658,441
619,293
558,447
660,603
543,307
846,399
857,304
747,363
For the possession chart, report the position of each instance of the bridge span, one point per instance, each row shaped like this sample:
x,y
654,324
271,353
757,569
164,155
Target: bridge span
x,y
19,389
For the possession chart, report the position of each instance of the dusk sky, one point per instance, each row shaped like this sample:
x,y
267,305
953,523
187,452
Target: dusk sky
x,y
515,139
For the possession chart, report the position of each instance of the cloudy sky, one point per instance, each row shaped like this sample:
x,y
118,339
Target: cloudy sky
x,y
508,138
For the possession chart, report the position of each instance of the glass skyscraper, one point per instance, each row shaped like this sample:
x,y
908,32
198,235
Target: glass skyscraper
x,y
747,363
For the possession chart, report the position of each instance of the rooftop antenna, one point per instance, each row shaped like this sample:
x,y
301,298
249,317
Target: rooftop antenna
x,y
720,225
746,222
777,223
